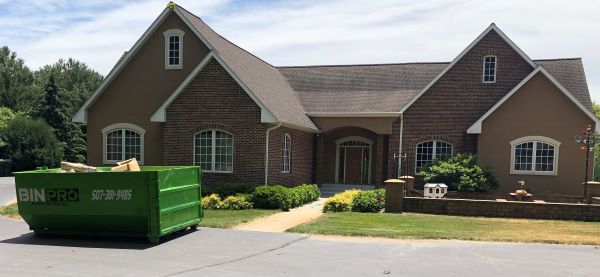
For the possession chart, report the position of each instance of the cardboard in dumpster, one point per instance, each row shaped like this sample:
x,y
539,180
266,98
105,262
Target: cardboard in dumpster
x,y
126,165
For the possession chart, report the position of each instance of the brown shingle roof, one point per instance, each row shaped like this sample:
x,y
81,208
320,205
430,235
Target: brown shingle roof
x,y
388,87
263,80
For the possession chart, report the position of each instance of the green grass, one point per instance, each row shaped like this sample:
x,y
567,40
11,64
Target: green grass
x,y
11,211
424,226
230,218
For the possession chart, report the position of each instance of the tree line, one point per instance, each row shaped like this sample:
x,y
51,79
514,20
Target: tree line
x,y
37,107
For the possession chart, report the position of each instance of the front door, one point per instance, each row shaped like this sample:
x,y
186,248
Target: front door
x,y
354,159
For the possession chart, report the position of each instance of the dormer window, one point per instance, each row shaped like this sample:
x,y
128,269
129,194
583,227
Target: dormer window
x,y
489,69
174,49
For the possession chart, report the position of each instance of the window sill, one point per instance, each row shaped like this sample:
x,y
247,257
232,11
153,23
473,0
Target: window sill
x,y
173,67
285,172
489,82
535,173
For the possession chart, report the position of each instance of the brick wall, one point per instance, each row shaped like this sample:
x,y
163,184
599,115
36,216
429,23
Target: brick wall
x,y
502,209
215,101
302,157
458,99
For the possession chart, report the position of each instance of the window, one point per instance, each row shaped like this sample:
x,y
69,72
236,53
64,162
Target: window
x,y
286,153
534,155
213,151
489,69
123,141
429,151
173,49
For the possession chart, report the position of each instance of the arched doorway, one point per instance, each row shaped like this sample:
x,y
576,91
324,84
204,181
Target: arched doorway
x,y
353,160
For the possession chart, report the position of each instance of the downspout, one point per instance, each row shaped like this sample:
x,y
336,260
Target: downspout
x,y
400,145
267,152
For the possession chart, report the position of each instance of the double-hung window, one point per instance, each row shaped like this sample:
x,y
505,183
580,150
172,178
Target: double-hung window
x,y
489,69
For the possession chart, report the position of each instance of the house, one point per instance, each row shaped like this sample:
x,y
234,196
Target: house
x,y
184,94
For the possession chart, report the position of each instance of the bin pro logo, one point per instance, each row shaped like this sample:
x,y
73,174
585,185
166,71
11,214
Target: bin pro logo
x,y
48,195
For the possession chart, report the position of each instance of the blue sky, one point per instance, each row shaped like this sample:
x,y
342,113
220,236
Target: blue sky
x,y
310,32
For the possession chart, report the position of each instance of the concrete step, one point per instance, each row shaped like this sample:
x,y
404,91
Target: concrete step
x,y
328,190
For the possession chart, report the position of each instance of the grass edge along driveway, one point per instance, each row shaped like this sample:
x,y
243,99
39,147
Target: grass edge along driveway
x,y
426,226
212,218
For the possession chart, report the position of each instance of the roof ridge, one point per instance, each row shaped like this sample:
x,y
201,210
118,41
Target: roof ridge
x,y
366,64
222,37
558,59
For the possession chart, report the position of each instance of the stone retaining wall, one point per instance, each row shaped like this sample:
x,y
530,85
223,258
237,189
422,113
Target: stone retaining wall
x,y
490,208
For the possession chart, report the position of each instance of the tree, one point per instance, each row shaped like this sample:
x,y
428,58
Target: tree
x,y
31,143
53,109
15,82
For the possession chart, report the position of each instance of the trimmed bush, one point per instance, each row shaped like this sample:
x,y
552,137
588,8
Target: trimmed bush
x,y
225,189
460,173
211,202
236,203
341,202
284,198
369,201
31,143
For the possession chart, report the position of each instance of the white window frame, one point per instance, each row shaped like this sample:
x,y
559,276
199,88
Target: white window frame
x,y
534,139
286,138
122,126
433,153
213,150
495,69
178,33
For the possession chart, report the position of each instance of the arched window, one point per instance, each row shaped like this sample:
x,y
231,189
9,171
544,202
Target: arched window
x,y
173,49
286,154
123,141
489,69
213,151
534,155
428,151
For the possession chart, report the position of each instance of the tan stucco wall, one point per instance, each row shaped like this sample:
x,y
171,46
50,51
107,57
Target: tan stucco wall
x,y
379,125
141,87
536,109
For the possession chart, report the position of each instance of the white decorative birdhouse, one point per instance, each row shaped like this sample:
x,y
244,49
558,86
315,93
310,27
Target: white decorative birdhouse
x,y
431,190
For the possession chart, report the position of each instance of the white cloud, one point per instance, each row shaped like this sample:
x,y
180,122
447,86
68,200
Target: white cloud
x,y
318,32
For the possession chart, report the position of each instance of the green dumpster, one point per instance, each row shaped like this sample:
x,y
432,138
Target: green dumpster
x,y
151,203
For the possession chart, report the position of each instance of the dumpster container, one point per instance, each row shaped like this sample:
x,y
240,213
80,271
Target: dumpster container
x,y
151,203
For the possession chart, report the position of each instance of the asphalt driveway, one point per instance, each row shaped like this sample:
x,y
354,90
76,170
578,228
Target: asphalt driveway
x,y
216,252
7,190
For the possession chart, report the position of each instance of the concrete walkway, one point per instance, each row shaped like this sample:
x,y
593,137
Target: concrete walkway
x,y
280,222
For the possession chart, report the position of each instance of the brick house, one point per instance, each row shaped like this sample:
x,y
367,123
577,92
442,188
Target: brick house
x,y
185,95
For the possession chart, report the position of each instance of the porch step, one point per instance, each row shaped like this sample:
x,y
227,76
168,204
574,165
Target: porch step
x,y
328,190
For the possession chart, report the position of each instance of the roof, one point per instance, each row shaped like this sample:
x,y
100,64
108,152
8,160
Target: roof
x,y
261,78
389,87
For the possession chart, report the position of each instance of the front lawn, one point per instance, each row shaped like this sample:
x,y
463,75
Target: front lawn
x,y
425,226
11,211
230,218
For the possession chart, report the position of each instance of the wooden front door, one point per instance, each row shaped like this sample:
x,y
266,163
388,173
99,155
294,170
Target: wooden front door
x,y
353,163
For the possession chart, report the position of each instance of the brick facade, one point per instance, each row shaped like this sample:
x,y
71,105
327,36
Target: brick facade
x,y
302,157
215,101
457,100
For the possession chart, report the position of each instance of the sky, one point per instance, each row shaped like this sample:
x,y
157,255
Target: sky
x,y
307,32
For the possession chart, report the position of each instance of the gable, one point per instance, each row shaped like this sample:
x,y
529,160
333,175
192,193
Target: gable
x,y
492,41
141,73
538,100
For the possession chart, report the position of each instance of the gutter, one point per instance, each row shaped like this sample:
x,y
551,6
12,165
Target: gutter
x,y
267,152
400,144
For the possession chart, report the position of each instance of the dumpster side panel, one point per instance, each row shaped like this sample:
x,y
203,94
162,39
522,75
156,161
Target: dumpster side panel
x,y
179,199
84,203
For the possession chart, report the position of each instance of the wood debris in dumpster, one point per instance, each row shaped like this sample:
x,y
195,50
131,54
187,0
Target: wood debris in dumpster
x,y
126,165
76,167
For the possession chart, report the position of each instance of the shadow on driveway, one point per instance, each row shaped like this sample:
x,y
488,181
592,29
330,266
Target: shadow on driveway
x,y
132,243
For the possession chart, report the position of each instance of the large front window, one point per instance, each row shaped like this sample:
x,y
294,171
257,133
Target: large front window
x,y
534,155
429,151
213,151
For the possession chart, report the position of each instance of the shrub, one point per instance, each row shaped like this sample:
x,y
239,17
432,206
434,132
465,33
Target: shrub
x,y
227,189
31,143
341,202
284,198
370,201
211,202
460,173
236,203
